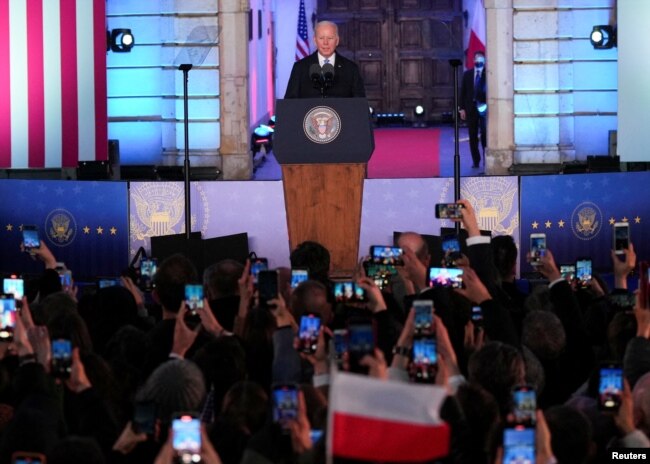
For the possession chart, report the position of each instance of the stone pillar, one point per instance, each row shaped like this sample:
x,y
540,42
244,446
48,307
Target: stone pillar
x,y
237,159
500,80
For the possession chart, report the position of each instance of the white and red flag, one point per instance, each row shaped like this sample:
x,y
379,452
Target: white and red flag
x,y
387,421
477,39
52,83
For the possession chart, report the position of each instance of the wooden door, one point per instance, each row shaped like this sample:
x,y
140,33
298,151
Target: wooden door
x,y
403,49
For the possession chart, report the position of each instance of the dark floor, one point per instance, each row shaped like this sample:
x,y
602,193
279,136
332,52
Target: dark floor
x,y
267,167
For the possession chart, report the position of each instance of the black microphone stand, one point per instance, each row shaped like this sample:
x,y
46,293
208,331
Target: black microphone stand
x,y
455,64
188,215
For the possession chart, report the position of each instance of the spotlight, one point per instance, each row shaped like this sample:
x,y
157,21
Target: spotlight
x,y
262,137
121,40
603,37
419,110
419,116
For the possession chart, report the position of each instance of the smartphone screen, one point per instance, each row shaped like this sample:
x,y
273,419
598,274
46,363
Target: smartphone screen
x,y
423,316
340,342
477,316
518,445
449,211
379,273
568,271
267,285
194,297
186,437
425,360
105,283
30,237
257,265
20,457
387,255
583,272
144,417
285,405
450,249
61,358
445,277
621,237
15,286
8,317
610,387
148,268
308,333
361,341
66,279
525,405
298,276
349,292
537,248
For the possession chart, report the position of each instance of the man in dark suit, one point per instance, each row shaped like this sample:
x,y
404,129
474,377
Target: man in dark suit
x,y
347,81
472,99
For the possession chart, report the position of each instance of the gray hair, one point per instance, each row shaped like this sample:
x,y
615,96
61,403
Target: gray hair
x,y
326,23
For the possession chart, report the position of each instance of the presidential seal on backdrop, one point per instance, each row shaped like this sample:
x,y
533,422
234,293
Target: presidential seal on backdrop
x,y
586,220
60,227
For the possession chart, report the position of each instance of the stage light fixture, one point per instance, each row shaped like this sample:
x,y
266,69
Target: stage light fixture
x,y
419,110
603,37
271,122
419,116
122,40
262,137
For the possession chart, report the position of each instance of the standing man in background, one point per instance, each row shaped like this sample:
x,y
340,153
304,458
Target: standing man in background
x,y
347,81
473,97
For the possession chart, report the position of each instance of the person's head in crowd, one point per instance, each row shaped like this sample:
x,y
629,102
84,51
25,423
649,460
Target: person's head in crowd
x,y
31,429
505,253
416,243
571,437
76,449
220,279
176,385
602,425
535,375
543,333
314,257
482,413
59,313
311,297
52,304
641,400
620,331
539,299
497,367
173,274
49,283
245,406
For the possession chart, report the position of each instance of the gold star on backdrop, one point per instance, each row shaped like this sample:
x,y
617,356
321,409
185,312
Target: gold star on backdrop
x,y
113,231
100,230
625,219
612,221
637,220
560,223
86,230
548,224
535,225
10,227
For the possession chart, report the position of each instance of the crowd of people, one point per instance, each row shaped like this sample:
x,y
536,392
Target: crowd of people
x,y
136,364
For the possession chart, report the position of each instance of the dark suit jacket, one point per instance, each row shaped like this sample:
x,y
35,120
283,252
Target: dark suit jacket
x,y
467,98
347,79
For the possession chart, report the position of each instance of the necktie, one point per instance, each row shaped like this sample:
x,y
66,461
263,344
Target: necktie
x,y
477,82
327,61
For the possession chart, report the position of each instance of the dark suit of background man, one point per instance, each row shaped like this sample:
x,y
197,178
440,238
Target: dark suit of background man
x,y
472,93
347,79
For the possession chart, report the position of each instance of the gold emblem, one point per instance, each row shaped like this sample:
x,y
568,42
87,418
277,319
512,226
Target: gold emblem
x,y
493,199
586,220
322,124
61,227
159,207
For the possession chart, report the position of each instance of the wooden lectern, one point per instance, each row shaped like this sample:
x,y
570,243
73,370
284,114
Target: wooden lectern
x,y
323,146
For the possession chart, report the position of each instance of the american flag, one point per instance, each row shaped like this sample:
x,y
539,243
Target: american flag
x,y
302,40
52,83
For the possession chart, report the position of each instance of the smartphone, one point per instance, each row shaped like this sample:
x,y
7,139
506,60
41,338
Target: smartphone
x,y
537,248
186,438
621,237
144,417
445,277
423,317
643,296
477,316
15,286
308,333
424,361
148,268
8,317
257,265
524,401
349,292
583,272
24,457
450,249
285,405
361,341
61,358
267,285
66,279
449,211
568,271
388,255
340,343
298,276
108,282
31,238
194,304
610,387
519,445
379,273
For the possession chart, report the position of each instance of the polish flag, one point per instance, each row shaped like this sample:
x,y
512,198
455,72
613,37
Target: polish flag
x,y
52,83
477,33
387,421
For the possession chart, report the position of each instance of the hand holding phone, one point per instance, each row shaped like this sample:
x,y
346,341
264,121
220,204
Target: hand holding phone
x,y
7,317
449,211
148,268
186,437
537,248
583,272
451,249
621,237
445,277
424,362
267,286
349,292
31,239
519,445
61,358
15,286
423,320
387,255
361,342
194,305
308,333
285,405
298,276
524,400
610,387
257,265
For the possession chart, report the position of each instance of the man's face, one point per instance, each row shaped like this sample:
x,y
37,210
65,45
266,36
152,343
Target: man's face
x,y
326,40
479,61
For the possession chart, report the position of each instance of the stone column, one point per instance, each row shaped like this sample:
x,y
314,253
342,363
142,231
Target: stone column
x,y
237,160
500,80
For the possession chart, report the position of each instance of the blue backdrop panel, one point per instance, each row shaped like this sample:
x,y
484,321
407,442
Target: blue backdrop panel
x,y
576,212
85,224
